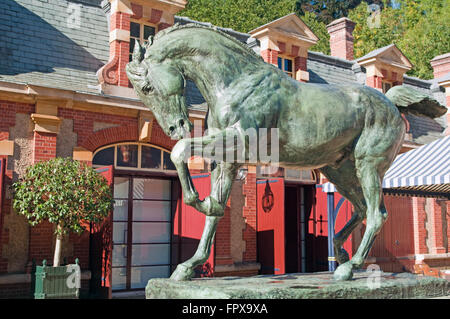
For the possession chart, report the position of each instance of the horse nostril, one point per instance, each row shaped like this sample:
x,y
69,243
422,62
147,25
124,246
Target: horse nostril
x,y
181,123
171,129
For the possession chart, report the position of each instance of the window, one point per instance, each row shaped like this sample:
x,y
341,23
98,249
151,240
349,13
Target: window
x,y
386,86
286,65
133,156
141,32
301,175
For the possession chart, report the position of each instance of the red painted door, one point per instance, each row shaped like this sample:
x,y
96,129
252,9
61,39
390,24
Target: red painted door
x,y
101,248
270,225
188,227
2,179
344,210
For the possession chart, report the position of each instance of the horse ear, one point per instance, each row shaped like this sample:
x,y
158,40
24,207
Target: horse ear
x,y
147,46
138,54
150,41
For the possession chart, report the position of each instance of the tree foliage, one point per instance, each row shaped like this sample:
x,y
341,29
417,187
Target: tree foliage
x,y
328,10
246,15
420,28
64,192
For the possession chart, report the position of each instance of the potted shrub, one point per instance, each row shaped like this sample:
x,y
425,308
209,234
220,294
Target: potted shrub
x,y
70,195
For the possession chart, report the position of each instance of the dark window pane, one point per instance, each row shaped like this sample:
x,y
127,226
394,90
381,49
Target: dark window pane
x,y
104,157
135,30
280,63
288,65
132,42
151,157
168,162
127,155
148,31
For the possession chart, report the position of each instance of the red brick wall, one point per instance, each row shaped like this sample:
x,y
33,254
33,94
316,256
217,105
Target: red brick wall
x,y
83,126
419,218
270,56
341,38
44,147
374,82
120,49
8,112
441,66
223,239
249,214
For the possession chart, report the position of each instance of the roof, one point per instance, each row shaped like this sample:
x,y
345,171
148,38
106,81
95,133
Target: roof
x,y
442,56
41,47
290,26
424,171
375,52
332,70
384,51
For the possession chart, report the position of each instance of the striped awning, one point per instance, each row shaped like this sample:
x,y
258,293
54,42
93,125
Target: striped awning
x,y
421,172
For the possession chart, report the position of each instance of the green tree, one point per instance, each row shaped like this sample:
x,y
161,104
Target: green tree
x,y
64,192
246,15
420,29
240,15
320,30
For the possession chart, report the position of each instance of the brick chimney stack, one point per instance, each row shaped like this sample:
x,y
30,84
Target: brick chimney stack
x,y
341,38
441,65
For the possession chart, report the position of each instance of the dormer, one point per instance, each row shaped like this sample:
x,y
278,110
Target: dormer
x,y
285,42
385,67
129,20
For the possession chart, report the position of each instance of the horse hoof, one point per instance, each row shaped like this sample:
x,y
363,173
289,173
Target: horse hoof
x,y
182,273
342,256
343,272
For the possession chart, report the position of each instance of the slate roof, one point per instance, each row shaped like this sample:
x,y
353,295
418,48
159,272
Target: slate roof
x,y
375,52
329,70
39,46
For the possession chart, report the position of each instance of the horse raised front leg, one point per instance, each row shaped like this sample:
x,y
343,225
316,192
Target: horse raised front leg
x,y
212,206
221,182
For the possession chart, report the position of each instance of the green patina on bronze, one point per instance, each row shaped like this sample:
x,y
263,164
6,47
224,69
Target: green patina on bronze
x,y
350,133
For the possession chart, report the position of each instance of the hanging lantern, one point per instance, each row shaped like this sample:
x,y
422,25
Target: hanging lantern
x,y
268,199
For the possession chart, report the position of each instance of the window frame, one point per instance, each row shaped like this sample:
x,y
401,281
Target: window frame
x,y
139,159
383,83
142,40
284,58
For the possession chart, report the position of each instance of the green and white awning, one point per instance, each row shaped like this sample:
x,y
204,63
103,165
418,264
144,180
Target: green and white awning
x,y
421,172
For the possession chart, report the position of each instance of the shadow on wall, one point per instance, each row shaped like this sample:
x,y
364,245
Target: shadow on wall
x,y
29,43
183,248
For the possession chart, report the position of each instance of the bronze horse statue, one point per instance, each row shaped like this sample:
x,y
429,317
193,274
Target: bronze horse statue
x,y
351,134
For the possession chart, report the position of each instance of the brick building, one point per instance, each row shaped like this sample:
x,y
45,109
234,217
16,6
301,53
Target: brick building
x,y
64,93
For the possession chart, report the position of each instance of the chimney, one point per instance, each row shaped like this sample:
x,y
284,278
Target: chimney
x,y
441,65
341,38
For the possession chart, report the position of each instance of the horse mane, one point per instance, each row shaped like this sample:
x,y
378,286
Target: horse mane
x,y
178,26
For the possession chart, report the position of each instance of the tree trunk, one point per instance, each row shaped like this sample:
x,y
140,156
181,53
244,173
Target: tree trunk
x,y
57,256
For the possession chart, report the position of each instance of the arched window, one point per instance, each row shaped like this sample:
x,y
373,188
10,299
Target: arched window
x,y
133,156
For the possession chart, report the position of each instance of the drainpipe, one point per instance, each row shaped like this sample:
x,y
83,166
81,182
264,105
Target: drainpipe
x,y
331,220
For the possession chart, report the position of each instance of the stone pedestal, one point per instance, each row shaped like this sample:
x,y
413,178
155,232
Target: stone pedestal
x,y
364,285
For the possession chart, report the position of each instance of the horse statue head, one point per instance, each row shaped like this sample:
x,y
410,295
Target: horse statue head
x,y
160,86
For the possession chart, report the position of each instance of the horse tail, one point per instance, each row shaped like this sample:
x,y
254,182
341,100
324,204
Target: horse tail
x,y
409,100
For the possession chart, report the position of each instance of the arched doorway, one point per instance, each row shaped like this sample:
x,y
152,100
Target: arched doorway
x,y
145,196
